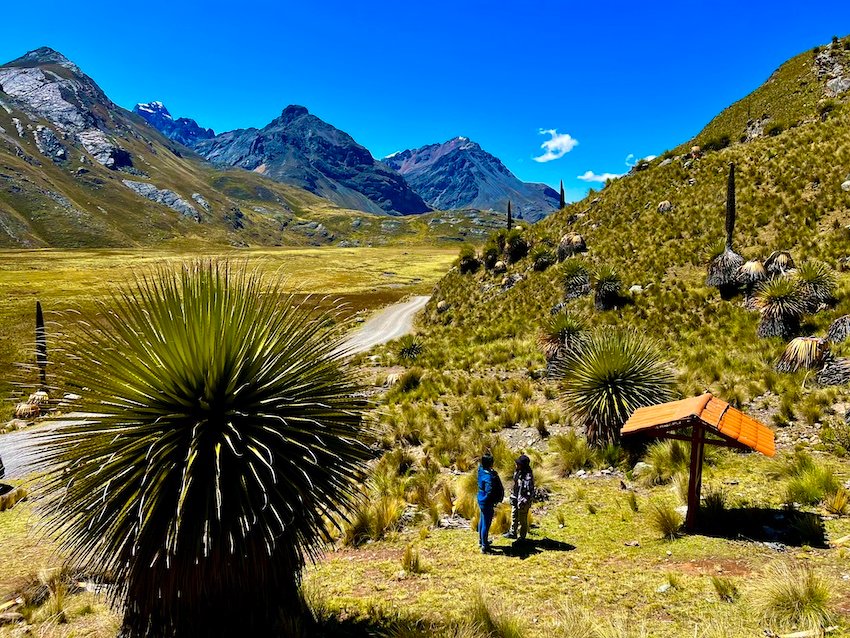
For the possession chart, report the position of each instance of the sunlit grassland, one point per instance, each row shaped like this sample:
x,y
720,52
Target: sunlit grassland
x,y
365,278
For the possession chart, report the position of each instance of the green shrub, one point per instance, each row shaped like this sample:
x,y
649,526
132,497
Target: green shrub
x,y
409,347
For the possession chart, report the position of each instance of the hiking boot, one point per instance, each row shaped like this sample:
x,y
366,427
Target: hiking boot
x,y
508,535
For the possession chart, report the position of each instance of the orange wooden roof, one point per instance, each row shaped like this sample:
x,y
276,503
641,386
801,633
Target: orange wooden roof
x,y
718,417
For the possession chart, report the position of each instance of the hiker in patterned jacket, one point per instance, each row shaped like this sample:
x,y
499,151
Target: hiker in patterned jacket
x,y
522,494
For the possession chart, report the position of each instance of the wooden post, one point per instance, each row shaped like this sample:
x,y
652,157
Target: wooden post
x,y
695,479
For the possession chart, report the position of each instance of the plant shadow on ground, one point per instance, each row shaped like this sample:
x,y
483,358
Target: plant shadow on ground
x,y
532,546
767,525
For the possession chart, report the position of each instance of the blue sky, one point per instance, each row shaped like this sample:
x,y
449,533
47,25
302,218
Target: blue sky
x,y
619,78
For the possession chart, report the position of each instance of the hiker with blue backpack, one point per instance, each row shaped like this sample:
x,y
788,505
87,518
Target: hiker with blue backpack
x,y
490,493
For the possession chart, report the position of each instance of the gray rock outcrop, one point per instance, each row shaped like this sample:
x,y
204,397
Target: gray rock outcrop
x,y
165,197
48,144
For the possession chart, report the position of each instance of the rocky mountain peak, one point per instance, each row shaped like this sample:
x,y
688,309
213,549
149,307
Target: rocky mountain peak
x,y
43,55
292,111
184,130
460,174
155,109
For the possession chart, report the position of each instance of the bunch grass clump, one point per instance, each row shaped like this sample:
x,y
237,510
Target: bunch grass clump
x,y
782,304
793,597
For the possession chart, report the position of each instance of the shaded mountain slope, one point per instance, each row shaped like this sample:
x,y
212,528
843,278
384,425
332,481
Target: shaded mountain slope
x,y
460,174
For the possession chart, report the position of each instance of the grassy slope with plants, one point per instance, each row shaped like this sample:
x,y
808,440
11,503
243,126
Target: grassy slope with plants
x,y
474,386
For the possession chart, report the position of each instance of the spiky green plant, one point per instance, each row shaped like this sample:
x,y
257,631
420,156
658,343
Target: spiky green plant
x,y
40,345
803,352
608,377
576,279
781,303
223,436
542,257
561,332
516,247
606,288
409,347
817,283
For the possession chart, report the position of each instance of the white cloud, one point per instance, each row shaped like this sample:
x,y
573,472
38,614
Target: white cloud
x,y
557,147
631,161
590,176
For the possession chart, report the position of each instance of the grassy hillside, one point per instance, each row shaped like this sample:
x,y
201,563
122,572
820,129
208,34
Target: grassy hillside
x,y
796,93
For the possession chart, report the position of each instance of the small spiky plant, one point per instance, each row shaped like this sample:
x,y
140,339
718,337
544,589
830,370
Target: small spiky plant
x,y
839,330
606,288
607,377
817,283
409,348
803,352
223,436
571,244
560,333
723,269
781,304
778,263
576,279
750,275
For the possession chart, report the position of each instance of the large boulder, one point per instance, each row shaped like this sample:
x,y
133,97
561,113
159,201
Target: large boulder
x,y
165,197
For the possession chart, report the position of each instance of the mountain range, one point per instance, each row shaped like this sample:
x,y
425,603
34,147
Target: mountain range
x,y
76,169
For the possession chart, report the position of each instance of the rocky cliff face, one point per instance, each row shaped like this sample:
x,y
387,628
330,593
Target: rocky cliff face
x,y
183,130
45,84
300,149
460,174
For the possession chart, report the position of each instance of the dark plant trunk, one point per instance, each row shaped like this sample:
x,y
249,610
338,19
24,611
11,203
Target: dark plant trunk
x,y
563,201
40,345
510,218
778,326
730,206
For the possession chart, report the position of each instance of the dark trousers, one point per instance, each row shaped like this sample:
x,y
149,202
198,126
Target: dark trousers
x,y
484,522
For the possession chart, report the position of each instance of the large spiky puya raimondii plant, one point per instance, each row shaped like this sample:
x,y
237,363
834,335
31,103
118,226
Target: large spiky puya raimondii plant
x,y
817,283
607,287
607,377
781,304
226,433
723,269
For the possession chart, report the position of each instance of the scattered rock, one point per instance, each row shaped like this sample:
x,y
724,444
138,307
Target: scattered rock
x,y
509,281
665,162
640,469
442,306
664,588
38,398
636,289
845,186
665,207
632,544
499,267
48,144
203,203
